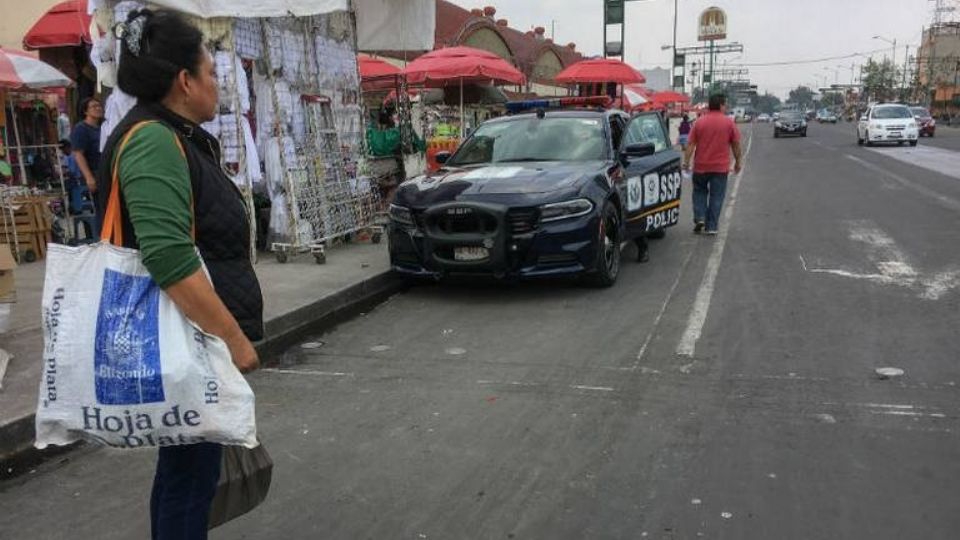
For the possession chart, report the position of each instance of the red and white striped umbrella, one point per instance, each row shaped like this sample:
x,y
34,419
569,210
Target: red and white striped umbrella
x,y
19,70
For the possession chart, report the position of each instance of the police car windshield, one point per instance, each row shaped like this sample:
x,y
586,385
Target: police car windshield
x,y
891,112
533,139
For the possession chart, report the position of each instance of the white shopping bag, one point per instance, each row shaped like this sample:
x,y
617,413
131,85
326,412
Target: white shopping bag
x,y
122,365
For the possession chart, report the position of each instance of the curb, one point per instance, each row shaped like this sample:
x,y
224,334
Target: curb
x,y
18,455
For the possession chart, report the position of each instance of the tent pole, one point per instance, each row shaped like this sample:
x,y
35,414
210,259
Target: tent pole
x,y
462,131
16,137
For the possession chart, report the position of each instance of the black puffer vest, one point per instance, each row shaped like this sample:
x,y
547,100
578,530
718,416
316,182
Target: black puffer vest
x,y
222,230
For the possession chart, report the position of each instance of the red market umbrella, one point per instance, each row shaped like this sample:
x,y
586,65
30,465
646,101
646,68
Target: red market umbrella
x,y
667,97
461,65
66,24
373,68
20,70
377,74
600,70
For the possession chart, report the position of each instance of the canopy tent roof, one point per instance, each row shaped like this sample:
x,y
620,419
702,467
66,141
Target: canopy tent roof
x,y
66,24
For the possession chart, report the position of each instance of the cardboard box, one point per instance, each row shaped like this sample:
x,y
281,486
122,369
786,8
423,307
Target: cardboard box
x,y
8,287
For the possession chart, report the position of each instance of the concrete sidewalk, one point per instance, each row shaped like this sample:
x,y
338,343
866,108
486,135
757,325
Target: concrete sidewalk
x,y
300,297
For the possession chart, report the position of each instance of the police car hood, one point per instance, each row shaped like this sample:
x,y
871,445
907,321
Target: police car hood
x,y
500,179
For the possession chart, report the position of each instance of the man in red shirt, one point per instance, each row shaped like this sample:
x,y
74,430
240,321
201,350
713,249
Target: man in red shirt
x,y
711,140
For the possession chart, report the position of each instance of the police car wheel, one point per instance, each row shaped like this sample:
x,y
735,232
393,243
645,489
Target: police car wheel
x,y
608,249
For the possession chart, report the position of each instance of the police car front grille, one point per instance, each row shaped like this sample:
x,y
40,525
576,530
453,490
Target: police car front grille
x,y
896,128
522,221
471,223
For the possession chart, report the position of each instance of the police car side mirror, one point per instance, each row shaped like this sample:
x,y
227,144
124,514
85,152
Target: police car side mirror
x,y
639,150
442,157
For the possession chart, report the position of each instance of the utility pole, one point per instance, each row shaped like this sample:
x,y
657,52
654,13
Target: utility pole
x,y
906,68
673,73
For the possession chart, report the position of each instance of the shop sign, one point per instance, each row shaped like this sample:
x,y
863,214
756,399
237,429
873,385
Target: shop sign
x,y
614,11
713,24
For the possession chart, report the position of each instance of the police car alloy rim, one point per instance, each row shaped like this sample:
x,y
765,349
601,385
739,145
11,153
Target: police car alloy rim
x,y
611,245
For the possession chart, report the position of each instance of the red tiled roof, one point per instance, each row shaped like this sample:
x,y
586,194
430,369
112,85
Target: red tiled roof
x,y
455,23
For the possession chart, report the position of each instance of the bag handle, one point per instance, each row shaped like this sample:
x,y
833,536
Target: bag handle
x,y
112,221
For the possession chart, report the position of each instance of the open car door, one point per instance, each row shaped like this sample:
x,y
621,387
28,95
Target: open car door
x,y
653,175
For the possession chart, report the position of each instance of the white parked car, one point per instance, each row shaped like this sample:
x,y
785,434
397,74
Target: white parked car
x,y
763,118
888,123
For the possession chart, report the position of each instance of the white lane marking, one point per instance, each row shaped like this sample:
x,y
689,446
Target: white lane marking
x,y
892,264
542,385
592,388
939,160
947,202
701,305
663,309
307,372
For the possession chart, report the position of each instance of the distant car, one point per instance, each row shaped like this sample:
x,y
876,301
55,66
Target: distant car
x,y
763,118
776,116
790,123
826,116
888,123
925,122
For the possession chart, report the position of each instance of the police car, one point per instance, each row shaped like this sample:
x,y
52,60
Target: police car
x,y
549,190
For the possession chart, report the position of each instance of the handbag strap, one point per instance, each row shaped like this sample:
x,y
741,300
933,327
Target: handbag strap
x,y
112,221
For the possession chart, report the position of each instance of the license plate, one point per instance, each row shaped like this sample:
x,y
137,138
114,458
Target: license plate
x,y
895,135
468,254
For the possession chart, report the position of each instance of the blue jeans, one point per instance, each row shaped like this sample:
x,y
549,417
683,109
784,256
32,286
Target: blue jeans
x,y
183,490
709,190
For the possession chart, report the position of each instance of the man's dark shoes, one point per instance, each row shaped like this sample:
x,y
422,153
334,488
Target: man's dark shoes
x,y
698,228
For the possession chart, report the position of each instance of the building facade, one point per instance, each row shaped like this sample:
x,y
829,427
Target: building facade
x,y
938,66
531,52
18,17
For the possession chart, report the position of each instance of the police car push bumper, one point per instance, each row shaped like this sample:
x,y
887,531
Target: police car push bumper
x,y
561,242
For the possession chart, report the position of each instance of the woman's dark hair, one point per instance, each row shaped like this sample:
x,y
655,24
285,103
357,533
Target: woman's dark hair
x,y
168,44
85,105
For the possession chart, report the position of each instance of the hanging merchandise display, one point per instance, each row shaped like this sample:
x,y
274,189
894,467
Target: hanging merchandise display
x,y
289,122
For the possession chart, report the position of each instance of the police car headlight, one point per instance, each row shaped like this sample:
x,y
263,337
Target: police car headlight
x,y
565,210
912,125
402,216
876,125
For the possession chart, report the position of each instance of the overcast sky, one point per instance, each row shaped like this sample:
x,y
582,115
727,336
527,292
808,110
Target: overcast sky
x,y
770,30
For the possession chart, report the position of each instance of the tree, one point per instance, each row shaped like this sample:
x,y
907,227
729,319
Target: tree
x,y
881,79
802,97
831,99
766,103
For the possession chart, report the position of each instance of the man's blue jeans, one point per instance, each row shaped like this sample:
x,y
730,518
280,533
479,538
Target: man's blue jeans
x,y
709,190
183,490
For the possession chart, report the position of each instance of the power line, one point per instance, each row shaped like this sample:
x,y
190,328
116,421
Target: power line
x,y
813,60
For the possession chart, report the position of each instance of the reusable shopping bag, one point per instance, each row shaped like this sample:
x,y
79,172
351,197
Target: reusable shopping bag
x,y
122,366
245,475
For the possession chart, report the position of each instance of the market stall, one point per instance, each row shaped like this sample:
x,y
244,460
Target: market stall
x,y
458,71
35,185
601,77
290,122
62,38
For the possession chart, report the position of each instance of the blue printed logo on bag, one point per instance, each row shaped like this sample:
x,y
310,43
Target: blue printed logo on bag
x,y
127,350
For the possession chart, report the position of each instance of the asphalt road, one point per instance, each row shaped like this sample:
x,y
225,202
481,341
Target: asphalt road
x,y
724,390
